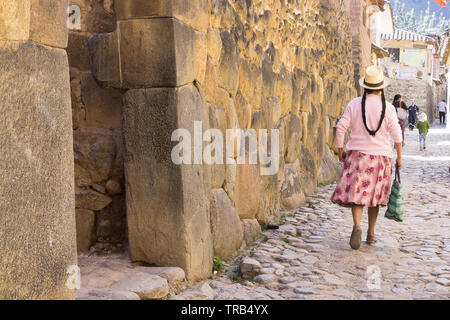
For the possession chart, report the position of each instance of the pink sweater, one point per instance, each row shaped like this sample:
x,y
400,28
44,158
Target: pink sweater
x,y
360,139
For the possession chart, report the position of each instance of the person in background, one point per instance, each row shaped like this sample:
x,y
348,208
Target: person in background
x,y
423,125
402,114
367,174
442,107
413,114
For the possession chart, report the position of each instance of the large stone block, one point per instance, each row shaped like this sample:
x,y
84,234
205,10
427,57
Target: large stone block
x,y
251,230
217,120
214,42
201,55
330,169
292,195
91,200
194,13
243,111
268,77
167,205
48,23
226,226
37,224
15,20
283,90
308,171
111,221
85,229
229,64
100,21
293,137
94,158
103,106
269,200
104,56
157,53
78,52
246,80
247,190
211,85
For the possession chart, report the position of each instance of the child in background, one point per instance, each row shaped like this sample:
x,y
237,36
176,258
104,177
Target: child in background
x,y
423,127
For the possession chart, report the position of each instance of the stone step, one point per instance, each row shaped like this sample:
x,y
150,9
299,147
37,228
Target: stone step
x,y
117,278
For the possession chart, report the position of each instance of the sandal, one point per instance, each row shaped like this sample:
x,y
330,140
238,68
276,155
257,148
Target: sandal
x,y
355,238
371,239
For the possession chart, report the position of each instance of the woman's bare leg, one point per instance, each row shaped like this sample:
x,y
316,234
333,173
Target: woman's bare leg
x,y
355,238
357,212
373,214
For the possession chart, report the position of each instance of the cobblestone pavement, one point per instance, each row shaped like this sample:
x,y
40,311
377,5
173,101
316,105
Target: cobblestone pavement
x,y
309,257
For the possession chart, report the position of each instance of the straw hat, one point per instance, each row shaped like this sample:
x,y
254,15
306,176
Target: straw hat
x,y
374,79
423,117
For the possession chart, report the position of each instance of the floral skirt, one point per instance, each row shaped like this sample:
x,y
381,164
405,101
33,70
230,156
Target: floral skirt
x,y
365,180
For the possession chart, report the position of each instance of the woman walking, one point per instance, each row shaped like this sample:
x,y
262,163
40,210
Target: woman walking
x,y
413,111
366,177
402,114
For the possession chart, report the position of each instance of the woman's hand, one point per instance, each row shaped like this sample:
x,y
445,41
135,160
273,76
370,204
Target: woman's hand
x,y
398,162
398,147
342,155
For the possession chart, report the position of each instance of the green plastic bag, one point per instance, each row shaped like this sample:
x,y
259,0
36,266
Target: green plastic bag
x,y
395,205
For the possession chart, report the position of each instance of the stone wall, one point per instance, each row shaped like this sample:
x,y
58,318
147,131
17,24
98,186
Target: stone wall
x,y
230,64
97,132
427,96
438,93
361,39
37,219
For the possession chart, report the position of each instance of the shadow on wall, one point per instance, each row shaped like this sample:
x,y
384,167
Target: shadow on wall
x,y
97,135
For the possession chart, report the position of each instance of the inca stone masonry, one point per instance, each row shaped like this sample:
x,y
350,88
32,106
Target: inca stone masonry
x,y
87,116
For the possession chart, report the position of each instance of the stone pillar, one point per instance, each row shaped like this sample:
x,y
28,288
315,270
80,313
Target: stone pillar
x,y
37,219
158,53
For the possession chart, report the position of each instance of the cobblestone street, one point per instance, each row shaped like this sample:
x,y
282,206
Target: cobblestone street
x,y
309,257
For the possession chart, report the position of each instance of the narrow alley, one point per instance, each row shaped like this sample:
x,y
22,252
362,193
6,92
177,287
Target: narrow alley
x,y
309,257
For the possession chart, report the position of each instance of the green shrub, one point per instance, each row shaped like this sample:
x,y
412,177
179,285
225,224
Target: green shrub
x,y
219,264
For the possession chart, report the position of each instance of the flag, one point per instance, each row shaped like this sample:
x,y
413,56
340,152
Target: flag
x,y
442,3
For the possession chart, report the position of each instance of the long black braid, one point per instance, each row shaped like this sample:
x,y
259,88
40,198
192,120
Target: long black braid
x,y
383,112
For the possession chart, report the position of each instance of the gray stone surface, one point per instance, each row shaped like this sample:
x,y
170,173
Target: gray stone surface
x,y
48,22
78,51
156,53
226,228
200,291
91,200
247,190
105,294
292,195
164,199
115,277
309,257
37,186
330,169
85,220
293,137
252,230
217,120
194,13
147,287
173,275
104,59
153,53
15,20
249,267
